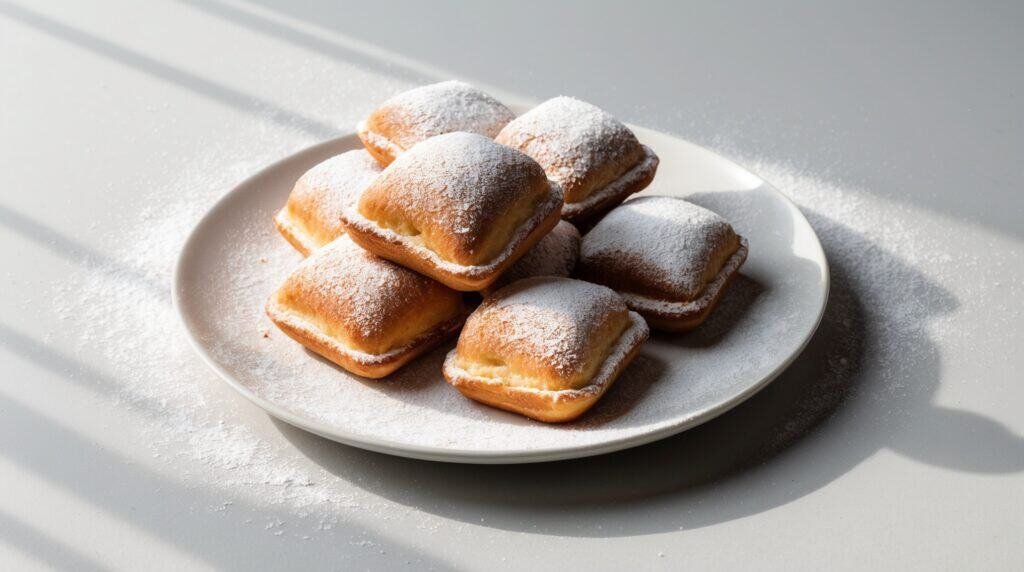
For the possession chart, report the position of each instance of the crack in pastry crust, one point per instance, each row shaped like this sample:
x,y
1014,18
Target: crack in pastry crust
x,y
670,260
459,208
312,216
364,313
427,111
547,348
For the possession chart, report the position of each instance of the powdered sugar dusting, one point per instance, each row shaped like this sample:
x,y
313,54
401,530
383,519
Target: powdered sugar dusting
x,y
457,185
681,309
346,174
554,319
572,140
277,370
357,290
328,188
340,180
664,243
445,107
553,255
635,334
900,263
121,339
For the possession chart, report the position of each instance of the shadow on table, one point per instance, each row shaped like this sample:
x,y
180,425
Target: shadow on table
x,y
845,398
175,514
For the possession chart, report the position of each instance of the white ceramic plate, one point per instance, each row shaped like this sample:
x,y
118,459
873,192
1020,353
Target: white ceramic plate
x,y
234,259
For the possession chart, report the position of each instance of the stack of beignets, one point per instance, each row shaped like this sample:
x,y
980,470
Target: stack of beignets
x,y
453,193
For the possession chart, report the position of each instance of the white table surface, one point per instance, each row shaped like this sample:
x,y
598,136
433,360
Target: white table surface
x,y
895,442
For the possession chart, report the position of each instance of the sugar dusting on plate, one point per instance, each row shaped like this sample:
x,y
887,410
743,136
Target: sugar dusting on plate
x,y
124,318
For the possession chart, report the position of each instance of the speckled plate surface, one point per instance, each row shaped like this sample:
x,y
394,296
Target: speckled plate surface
x,y
235,258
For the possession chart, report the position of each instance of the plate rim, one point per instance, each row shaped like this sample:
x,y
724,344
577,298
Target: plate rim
x,y
442,454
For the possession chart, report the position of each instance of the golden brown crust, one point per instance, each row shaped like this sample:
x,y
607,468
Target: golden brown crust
x,y
547,332
458,194
459,208
596,159
547,348
364,313
546,406
671,260
424,112
463,278
380,147
602,200
291,232
312,216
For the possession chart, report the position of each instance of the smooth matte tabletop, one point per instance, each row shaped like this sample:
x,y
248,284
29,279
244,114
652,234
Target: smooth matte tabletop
x,y
896,441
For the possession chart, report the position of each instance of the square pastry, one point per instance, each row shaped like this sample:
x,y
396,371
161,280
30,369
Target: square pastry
x,y
554,255
458,207
312,216
424,112
547,348
670,259
596,159
365,314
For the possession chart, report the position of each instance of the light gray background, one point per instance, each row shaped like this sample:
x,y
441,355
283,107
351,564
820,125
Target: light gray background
x,y
899,449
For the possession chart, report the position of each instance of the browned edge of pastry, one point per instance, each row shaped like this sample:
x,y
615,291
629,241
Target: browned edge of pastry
x,y
294,233
602,200
372,366
552,406
685,316
383,149
399,249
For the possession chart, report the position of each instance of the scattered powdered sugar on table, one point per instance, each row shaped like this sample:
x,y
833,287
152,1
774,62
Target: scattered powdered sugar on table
x,y
122,316
892,272
416,408
903,285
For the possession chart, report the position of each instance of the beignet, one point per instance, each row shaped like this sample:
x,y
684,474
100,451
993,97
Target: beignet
x,y
546,347
596,159
424,112
554,255
312,216
458,207
365,314
671,260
